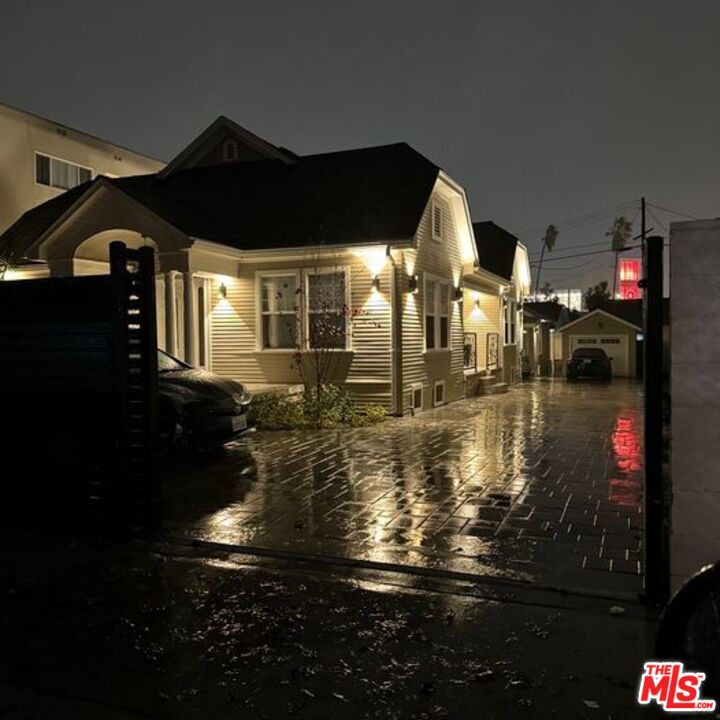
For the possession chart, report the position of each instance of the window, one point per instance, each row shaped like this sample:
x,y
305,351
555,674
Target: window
x,y
59,173
437,314
416,392
439,393
430,286
327,309
230,150
510,321
278,307
437,222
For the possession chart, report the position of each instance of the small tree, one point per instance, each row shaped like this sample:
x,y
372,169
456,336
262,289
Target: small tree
x,y
597,295
326,328
548,293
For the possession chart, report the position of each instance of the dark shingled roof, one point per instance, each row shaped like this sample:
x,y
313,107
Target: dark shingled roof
x,y
356,196
496,248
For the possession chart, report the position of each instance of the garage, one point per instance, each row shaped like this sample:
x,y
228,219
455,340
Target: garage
x,y
603,329
615,347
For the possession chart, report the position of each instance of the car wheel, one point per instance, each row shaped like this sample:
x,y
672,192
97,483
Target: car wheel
x,y
171,431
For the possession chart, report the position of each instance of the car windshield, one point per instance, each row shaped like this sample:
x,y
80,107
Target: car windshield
x,y
589,353
167,363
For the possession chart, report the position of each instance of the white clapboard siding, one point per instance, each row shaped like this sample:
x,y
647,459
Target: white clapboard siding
x,y
366,368
441,259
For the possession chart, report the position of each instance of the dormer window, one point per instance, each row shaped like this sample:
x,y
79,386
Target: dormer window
x,y
437,222
230,150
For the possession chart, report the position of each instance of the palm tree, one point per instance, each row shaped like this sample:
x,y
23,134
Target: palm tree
x,y
548,243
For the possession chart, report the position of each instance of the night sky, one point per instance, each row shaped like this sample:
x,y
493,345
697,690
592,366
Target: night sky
x,y
544,110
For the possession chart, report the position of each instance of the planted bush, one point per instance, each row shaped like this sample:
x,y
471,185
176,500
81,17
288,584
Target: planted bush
x,y
331,407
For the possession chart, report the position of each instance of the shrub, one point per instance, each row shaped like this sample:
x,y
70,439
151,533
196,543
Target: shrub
x,y
270,411
333,407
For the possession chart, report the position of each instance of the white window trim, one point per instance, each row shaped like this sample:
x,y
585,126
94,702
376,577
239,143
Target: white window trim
x,y
413,389
436,206
438,281
326,270
65,160
259,275
436,384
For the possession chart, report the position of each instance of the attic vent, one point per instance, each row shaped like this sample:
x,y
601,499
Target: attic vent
x,y
230,150
437,222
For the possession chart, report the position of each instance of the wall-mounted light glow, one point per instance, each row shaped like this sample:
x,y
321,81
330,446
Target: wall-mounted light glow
x,y
457,294
376,284
223,290
413,284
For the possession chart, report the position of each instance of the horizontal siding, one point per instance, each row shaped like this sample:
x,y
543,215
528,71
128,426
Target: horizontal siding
x,y
486,319
443,260
234,331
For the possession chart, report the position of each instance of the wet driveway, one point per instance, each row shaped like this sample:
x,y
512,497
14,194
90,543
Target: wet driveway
x,y
542,484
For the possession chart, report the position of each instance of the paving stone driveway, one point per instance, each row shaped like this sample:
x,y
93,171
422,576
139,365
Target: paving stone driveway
x,y
543,483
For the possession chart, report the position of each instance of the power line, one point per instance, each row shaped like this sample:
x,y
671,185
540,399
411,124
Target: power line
x,y
655,218
577,221
674,212
594,252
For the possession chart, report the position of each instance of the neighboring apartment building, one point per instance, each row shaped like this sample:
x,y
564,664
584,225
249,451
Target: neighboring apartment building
x,y
255,245
40,159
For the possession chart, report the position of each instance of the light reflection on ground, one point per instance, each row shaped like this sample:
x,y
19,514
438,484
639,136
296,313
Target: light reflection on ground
x,y
543,483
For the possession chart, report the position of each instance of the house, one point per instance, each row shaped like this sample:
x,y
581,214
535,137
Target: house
x,y
616,327
493,324
40,159
258,247
542,350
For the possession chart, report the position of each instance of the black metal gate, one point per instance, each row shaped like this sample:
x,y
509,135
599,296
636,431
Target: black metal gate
x,y
78,367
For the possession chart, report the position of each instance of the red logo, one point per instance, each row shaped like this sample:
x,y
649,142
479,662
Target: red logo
x,y
672,688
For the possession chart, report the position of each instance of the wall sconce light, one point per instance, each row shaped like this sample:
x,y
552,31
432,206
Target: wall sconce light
x,y
376,284
413,284
223,290
477,304
458,294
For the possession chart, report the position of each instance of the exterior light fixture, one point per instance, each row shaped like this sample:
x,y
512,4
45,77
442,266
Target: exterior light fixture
x,y
458,294
477,303
376,284
223,290
413,284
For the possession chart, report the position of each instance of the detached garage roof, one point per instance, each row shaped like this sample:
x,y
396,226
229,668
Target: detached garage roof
x,y
601,311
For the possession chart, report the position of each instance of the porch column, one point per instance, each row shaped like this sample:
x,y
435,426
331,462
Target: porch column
x,y
189,297
170,341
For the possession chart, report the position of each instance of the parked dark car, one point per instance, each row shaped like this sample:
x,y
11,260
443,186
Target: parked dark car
x,y
589,362
197,407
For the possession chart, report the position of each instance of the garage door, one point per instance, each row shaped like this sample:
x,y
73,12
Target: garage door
x,y
615,346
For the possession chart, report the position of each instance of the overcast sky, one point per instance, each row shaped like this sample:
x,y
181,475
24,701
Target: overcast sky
x,y
545,110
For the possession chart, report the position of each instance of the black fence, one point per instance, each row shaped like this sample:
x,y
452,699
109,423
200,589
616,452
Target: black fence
x,y
78,366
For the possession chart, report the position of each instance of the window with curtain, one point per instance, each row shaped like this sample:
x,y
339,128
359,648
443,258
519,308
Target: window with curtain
x,y
59,173
278,303
327,310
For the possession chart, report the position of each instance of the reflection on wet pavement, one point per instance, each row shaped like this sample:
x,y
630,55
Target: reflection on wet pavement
x,y
543,484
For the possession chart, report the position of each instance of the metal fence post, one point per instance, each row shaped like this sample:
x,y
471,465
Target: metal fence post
x,y
657,585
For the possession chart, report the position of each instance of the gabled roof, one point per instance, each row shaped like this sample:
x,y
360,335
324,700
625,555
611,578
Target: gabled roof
x,y
224,127
496,248
369,195
602,311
